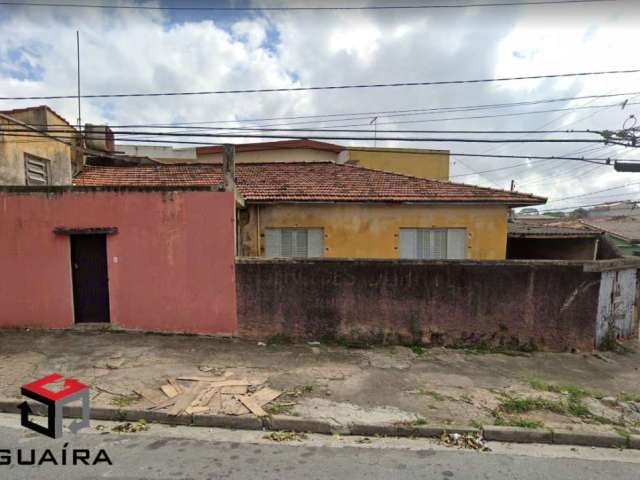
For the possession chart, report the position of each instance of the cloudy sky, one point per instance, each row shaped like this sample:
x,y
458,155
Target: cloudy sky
x,y
129,50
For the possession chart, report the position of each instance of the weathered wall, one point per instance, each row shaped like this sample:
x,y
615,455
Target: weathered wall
x,y
421,163
369,230
170,266
14,147
537,305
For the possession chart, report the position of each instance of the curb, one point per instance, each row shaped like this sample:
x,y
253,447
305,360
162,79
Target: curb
x,y
310,425
517,435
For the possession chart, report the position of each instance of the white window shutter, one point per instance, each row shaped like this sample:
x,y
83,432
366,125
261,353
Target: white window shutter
x,y
457,243
300,247
437,244
287,242
273,239
316,242
408,243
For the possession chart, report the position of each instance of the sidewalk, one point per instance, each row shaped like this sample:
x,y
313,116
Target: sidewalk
x,y
580,392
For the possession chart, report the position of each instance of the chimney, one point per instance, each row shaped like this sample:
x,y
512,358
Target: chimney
x,y
99,137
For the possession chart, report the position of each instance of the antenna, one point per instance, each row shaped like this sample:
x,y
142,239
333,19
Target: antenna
x,y
374,121
79,110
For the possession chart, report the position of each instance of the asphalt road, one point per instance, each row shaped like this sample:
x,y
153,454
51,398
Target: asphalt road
x,y
183,453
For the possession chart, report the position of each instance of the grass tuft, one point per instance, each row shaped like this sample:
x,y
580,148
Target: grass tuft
x,y
524,405
519,422
430,393
125,400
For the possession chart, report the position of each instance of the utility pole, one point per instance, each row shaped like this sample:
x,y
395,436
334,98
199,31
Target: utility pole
x,y
229,167
513,185
78,58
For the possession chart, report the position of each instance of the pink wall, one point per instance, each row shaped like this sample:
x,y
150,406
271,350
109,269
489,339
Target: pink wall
x,y
171,264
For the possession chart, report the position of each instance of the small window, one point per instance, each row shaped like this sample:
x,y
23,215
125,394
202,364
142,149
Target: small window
x,y
36,170
433,243
294,242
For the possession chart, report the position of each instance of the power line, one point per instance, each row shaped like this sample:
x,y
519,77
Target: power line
x,y
308,8
594,192
575,207
341,137
445,119
63,128
328,87
460,154
382,113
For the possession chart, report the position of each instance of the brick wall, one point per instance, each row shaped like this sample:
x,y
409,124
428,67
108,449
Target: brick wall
x,y
546,305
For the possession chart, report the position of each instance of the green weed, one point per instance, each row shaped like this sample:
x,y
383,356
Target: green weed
x,y
125,400
519,422
524,405
417,349
430,393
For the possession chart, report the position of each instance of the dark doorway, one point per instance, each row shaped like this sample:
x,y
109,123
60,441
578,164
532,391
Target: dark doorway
x,y
90,281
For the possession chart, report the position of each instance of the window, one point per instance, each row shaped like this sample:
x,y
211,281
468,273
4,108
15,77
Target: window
x,y
294,242
36,170
433,243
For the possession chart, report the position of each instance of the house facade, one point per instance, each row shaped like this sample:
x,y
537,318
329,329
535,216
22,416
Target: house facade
x,y
422,163
153,259
32,156
327,209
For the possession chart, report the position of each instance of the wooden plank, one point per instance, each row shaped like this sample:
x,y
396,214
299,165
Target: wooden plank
x,y
252,405
169,390
202,379
231,406
234,390
205,397
175,385
153,396
216,382
183,401
167,403
265,395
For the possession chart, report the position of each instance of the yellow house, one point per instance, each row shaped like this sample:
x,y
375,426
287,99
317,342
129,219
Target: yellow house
x,y
328,209
29,155
417,162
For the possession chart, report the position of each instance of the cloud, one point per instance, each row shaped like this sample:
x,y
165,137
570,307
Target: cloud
x,y
151,51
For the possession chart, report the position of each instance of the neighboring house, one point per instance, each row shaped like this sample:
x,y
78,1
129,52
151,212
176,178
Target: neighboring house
x,y
613,209
623,232
327,209
416,162
31,156
535,241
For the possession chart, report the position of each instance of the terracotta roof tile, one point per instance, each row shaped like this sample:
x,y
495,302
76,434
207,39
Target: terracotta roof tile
x,y
314,182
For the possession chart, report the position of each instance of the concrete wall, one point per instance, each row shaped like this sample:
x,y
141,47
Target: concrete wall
x,y
14,147
421,163
536,305
369,230
170,266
